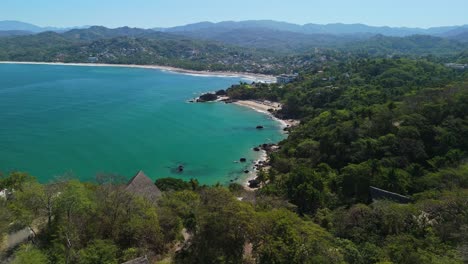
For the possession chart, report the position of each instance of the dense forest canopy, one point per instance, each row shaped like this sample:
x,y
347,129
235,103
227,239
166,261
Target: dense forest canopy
x,y
257,50
385,113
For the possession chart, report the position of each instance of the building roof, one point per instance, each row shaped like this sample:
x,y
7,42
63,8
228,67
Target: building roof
x,y
142,260
143,186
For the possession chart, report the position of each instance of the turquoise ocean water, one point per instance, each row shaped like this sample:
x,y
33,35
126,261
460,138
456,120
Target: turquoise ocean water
x,y
81,121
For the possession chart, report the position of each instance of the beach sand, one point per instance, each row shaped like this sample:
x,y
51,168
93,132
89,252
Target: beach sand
x,y
263,107
248,76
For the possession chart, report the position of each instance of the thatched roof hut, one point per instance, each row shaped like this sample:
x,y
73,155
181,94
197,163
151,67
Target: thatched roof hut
x,y
142,185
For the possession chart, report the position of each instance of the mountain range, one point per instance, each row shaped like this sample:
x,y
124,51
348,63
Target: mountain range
x,y
27,28
210,28
335,29
251,46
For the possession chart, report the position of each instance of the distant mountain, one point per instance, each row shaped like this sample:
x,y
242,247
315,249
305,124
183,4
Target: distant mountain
x,y
9,33
272,39
462,37
11,25
99,32
419,45
335,29
460,34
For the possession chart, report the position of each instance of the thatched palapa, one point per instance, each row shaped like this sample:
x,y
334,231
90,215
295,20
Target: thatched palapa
x,y
142,185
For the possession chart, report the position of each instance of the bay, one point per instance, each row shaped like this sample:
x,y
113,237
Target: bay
x,y
70,120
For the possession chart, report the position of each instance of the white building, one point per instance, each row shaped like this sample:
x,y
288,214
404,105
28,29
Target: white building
x,y
286,78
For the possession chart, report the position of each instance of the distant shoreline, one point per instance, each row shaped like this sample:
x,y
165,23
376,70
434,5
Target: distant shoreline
x,y
250,76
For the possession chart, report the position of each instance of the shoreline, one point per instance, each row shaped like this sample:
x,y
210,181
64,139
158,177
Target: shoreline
x,y
253,174
262,107
248,76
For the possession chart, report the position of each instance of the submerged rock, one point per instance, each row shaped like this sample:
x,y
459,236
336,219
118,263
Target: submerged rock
x,y
256,149
259,127
243,160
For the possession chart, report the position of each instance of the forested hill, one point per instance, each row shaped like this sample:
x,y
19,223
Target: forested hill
x,y
257,50
396,124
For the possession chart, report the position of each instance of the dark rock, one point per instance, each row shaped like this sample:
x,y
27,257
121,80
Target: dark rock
x,y
180,168
208,97
246,171
259,127
256,149
221,92
254,183
243,160
271,110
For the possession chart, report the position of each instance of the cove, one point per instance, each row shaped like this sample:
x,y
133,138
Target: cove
x,y
70,120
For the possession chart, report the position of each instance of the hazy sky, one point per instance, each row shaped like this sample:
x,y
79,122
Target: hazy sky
x,y
159,13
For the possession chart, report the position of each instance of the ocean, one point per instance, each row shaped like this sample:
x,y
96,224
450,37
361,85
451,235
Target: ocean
x,y
74,121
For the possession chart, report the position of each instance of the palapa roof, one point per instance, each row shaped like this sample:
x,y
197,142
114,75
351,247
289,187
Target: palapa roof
x,y
142,185
142,260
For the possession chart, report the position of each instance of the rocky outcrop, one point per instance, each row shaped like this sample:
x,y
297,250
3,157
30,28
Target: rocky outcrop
x,y
254,184
208,97
221,93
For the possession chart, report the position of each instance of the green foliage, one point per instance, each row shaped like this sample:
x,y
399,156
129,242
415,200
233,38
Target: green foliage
x,y
97,252
282,237
223,227
30,255
396,124
172,184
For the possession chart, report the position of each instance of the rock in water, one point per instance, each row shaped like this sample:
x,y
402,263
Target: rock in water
x,y
180,168
207,97
221,92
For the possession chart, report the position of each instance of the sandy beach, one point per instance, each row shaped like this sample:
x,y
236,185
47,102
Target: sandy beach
x,y
248,76
264,106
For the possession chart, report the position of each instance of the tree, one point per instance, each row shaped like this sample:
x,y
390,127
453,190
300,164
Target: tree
x,y
224,225
99,252
282,237
28,254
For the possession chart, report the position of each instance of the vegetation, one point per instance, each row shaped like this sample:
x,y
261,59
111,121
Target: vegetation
x,y
256,50
398,124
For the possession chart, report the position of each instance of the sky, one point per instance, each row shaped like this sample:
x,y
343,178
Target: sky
x,y
166,13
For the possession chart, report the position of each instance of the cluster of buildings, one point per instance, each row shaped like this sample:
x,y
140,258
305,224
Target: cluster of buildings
x,y
286,78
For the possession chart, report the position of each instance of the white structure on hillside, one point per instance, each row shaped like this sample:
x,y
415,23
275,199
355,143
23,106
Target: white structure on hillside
x,y
286,78
457,66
